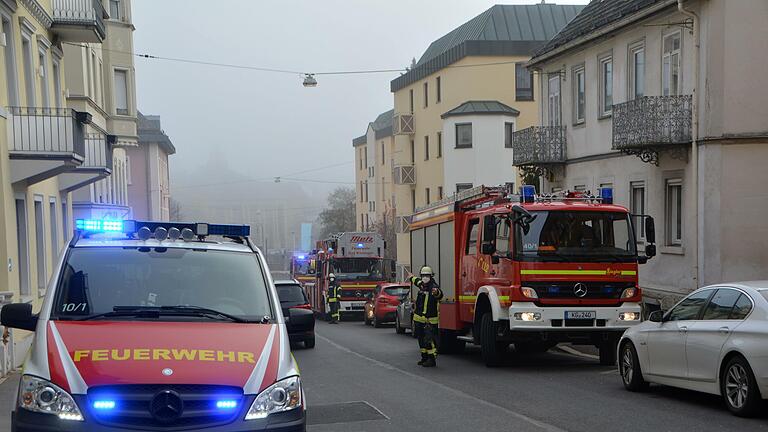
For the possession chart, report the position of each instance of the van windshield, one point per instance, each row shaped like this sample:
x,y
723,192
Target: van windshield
x,y
96,280
577,235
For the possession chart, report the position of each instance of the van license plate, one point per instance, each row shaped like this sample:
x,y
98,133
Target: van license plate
x,y
580,315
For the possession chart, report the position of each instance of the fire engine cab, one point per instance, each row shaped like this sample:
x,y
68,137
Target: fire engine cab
x,y
158,326
532,270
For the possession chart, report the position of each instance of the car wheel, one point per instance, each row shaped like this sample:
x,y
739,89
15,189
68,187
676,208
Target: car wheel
x,y
398,328
492,350
739,388
309,343
629,369
608,353
376,322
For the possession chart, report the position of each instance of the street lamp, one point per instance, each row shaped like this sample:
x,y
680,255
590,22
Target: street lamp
x,y
309,80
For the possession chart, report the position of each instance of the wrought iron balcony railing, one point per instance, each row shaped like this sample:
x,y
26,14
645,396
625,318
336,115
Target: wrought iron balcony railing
x,y
79,20
98,152
539,145
402,124
652,122
47,131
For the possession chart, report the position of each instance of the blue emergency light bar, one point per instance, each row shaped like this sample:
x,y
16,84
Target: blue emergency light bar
x,y
99,225
528,193
226,404
606,195
131,227
104,404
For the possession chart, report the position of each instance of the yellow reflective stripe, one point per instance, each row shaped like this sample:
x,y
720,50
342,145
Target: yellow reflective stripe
x,y
504,298
575,272
332,300
358,286
628,273
467,298
423,320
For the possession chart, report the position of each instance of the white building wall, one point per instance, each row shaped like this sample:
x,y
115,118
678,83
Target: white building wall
x,y
488,162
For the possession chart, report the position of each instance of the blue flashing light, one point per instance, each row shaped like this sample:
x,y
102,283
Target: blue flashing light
x,y
360,245
226,404
104,405
528,193
99,225
301,257
606,195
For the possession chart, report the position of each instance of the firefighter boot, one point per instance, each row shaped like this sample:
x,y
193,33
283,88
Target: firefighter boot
x,y
423,359
430,362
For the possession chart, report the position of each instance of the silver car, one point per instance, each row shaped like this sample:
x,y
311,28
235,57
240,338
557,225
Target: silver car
x,y
713,341
404,314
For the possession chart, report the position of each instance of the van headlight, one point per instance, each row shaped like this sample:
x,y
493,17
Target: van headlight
x,y
281,396
42,396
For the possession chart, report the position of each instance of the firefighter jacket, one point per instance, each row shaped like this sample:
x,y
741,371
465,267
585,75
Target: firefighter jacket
x,y
334,292
427,303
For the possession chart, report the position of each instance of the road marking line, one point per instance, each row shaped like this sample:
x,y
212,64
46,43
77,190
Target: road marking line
x,y
575,352
540,424
610,372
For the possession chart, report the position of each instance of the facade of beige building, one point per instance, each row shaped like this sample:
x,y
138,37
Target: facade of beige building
x,y
374,163
668,108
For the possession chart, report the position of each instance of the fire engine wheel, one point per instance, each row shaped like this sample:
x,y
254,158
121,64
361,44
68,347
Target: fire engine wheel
x,y
309,343
398,328
376,322
367,321
491,349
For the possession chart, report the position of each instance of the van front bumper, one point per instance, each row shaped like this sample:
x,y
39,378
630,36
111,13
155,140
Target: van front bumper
x,y
27,421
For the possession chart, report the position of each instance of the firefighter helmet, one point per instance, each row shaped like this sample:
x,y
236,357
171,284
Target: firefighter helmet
x,y
331,276
426,271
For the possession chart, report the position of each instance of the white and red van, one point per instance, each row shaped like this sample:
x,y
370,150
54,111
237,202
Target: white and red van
x,y
158,326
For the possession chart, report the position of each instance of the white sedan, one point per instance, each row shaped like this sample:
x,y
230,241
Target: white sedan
x,y
714,341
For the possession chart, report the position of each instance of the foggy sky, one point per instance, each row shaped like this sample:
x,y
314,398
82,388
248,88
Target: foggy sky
x,y
266,124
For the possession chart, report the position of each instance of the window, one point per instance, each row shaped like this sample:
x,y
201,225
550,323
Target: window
x,y
57,84
10,66
40,245
503,231
362,196
464,135
382,153
474,228
580,188
65,219
426,196
367,222
637,205
742,308
366,191
509,129
426,94
553,106
121,92
721,305
413,152
690,308
463,186
413,200
674,212
29,72
438,90
606,86
115,9
523,83
360,159
43,74
410,95
440,193
636,71
22,245
54,229
426,147
670,65
439,144
579,95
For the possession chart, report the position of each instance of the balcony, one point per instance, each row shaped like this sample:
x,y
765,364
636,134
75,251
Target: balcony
x,y
45,142
402,124
539,146
97,163
650,124
79,20
404,175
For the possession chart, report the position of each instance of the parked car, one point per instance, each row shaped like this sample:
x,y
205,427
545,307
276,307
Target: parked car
x,y
713,341
301,325
404,314
381,306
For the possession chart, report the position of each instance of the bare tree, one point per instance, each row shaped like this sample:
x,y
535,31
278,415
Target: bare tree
x,y
339,213
174,210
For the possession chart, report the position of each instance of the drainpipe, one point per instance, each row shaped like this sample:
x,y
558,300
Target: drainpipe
x,y
695,131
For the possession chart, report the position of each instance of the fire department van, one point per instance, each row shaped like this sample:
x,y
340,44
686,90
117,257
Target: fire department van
x,y
158,326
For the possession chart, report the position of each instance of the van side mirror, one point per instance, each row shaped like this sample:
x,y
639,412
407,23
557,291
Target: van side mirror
x,y
650,231
656,316
489,235
650,250
19,316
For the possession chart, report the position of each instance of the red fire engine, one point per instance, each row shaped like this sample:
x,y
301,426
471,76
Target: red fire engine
x,y
531,270
303,268
356,259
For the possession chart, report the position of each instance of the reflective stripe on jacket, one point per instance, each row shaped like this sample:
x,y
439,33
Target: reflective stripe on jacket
x,y
334,293
427,307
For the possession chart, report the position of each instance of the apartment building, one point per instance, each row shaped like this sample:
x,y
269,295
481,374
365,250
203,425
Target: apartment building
x,y
47,149
663,101
149,190
456,108
374,160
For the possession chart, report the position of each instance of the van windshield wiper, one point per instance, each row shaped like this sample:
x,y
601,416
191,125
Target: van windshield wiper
x,y
156,311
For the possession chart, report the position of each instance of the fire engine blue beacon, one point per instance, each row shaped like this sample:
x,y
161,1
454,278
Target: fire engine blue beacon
x,y
226,405
104,405
360,245
606,195
528,193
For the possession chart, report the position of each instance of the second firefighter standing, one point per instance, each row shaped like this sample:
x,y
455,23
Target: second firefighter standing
x,y
425,315
334,299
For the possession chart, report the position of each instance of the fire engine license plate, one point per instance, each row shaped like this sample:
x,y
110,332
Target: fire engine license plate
x,y
580,315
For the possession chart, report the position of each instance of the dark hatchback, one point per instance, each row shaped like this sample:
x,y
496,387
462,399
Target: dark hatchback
x,y
300,320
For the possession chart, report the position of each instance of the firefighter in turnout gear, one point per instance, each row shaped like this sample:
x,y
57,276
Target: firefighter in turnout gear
x,y
334,298
425,315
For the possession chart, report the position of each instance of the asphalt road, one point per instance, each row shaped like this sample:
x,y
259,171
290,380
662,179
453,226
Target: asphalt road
x,y
363,379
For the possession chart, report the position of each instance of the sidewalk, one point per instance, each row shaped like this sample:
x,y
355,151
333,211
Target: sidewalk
x,y
8,390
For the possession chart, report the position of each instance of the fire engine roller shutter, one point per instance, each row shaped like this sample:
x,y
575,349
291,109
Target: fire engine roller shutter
x,y
432,251
446,274
417,253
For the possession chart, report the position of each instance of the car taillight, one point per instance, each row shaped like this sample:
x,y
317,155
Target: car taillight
x,y
303,306
394,301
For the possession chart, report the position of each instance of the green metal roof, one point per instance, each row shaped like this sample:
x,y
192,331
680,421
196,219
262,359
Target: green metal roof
x,y
481,107
382,127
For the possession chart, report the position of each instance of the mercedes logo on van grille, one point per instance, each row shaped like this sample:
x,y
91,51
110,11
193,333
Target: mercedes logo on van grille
x,y
580,290
358,294
166,407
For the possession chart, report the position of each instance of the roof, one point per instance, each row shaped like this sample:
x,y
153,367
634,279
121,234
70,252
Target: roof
x,y
150,132
482,108
502,30
382,128
598,14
